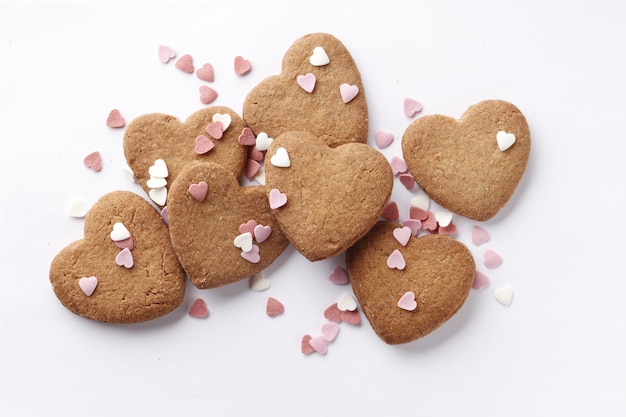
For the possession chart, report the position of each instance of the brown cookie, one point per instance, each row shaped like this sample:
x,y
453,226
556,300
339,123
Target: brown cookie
x,y
460,164
160,137
124,270
404,303
333,195
209,216
314,92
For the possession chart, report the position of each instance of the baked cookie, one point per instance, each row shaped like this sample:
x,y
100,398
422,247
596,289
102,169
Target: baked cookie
x,y
407,286
222,232
124,270
324,198
319,90
157,146
470,166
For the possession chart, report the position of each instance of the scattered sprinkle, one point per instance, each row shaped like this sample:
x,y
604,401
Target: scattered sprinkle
x,y
277,199
505,140
412,107
119,232
348,92
479,235
346,302
480,281
252,255
158,169
125,258
402,234
492,259
248,227
155,182
333,313
319,57
115,119
166,54
430,222
421,201
256,154
242,66
351,317
418,213
306,82
158,195
263,141
128,173
225,118
414,225
246,138
319,344
258,282
252,168
93,161
215,129
207,94
274,307
262,233
330,331
199,190
398,166
449,230
396,260
407,301
126,243
185,64
338,275
243,242
444,218
165,215
504,295
305,345
280,158
407,180
203,145
383,139
206,73
77,208
199,309
88,285
390,212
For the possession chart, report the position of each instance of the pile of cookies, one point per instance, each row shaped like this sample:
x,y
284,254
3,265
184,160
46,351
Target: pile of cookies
x,y
302,135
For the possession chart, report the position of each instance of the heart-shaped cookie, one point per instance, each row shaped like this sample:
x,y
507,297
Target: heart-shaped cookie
x,y
89,280
460,164
206,233
308,94
404,305
332,196
156,136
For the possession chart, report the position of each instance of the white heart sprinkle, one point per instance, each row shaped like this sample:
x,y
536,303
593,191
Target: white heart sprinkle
x,y
263,141
504,294
281,158
260,176
128,173
319,57
77,208
120,232
244,242
421,201
444,218
346,302
505,140
156,182
158,195
224,118
258,282
158,169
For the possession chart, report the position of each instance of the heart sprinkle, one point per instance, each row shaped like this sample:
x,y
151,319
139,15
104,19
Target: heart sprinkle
x,y
242,66
244,242
120,232
166,54
383,138
199,309
224,118
156,182
407,301
305,345
408,181
77,208
504,294
398,166
421,201
88,285
492,259
330,331
417,213
348,92
281,158
412,107
319,344
93,161
185,64
346,302
158,169
126,243
390,212
203,145
333,313
480,281
339,276
252,255
215,129
505,140
246,137
206,73
252,168
414,225
274,307
258,282
263,141
319,57
306,82
430,222
444,218
396,260
207,94
277,199
115,119
351,317
248,227
261,233
199,190
125,258
479,235
165,216
158,195
402,234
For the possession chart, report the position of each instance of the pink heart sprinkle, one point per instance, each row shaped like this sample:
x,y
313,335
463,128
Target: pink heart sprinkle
x,y
215,129
274,307
333,313
319,344
348,92
412,107
165,215
398,166
417,213
166,53
408,181
252,168
492,259
351,317
199,190
203,145
430,222
252,255
247,137
207,94
254,153
479,235
480,281
248,227
93,161
185,64
206,73
88,285
414,225
242,66
306,82
383,139
390,212
261,233
115,119
125,258
407,301
305,346
199,309
329,331
449,230
396,260
339,276
125,244
277,199
402,234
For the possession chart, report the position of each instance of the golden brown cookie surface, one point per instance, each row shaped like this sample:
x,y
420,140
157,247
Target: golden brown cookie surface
x,y
209,214
460,164
124,270
157,136
404,303
333,195
334,109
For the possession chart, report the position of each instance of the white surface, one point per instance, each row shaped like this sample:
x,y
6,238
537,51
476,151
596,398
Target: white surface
x,y
558,349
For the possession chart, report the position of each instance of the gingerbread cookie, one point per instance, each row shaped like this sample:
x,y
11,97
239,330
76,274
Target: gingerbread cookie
x,y
324,198
471,166
319,90
407,286
124,270
222,232
158,146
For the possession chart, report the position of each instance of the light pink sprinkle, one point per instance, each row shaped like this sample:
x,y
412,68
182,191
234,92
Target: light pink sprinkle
x,y
396,260
383,138
215,129
414,225
124,258
492,259
449,230
339,276
398,166
329,331
412,107
185,64
479,235
199,190
165,215
166,54
348,92
277,199
88,285
407,301
248,227
306,82
207,94
262,233
252,255
480,281
319,344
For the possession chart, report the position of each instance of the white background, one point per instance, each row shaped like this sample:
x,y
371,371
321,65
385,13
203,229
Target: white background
x,y
557,350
